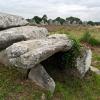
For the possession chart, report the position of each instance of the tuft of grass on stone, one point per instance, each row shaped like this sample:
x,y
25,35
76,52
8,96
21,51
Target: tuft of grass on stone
x,y
69,57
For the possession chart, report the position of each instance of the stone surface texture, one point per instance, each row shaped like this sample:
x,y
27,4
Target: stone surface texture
x,y
13,35
8,20
27,54
39,75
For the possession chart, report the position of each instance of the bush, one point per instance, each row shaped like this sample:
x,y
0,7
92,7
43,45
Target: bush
x,y
90,40
37,19
69,57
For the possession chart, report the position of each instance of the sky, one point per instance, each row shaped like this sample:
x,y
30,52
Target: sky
x,y
84,9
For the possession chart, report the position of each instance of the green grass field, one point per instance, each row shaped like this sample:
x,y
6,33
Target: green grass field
x,y
13,86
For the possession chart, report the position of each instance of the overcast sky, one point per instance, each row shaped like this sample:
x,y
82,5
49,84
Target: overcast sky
x,y
84,9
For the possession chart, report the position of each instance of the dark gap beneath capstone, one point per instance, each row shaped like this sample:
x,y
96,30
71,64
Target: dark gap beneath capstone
x,y
59,66
1,29
54,62
55,65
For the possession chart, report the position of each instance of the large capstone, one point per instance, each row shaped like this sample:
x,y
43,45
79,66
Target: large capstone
x,y
13,35
8,20
27,54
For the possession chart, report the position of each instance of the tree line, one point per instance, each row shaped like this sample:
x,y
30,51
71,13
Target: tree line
x,y
60,21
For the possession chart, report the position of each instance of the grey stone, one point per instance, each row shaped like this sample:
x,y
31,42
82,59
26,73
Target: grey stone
x,y
13,35
42,22
33,22
27,54
83,62
67,22
56,23
39,75
4,59
50,22
8,20
95,70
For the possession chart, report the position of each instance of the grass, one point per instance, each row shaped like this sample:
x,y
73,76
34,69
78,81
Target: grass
x,y
87,38
96,57
84,89
76,32
14,87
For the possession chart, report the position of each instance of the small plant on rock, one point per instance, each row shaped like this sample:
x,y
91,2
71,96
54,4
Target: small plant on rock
x,y
69,57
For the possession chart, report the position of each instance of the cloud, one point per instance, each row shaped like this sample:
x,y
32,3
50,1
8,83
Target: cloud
x,y
86,10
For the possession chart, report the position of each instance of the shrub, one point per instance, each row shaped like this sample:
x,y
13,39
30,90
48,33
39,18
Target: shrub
x,y
90,40
69,57
37,19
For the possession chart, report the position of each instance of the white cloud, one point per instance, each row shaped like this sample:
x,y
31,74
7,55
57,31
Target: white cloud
x,y
85,9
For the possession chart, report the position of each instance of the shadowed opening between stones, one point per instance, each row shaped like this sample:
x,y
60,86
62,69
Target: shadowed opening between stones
x,y
55,65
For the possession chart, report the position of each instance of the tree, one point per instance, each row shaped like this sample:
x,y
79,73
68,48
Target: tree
x,y
90,23
45,18
74,19
97,23
59,19
37,19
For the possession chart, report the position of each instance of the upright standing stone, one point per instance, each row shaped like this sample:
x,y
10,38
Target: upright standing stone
x,y
39,75
83,61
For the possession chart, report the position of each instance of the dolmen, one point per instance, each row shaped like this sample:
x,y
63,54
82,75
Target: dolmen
x,y
23,46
